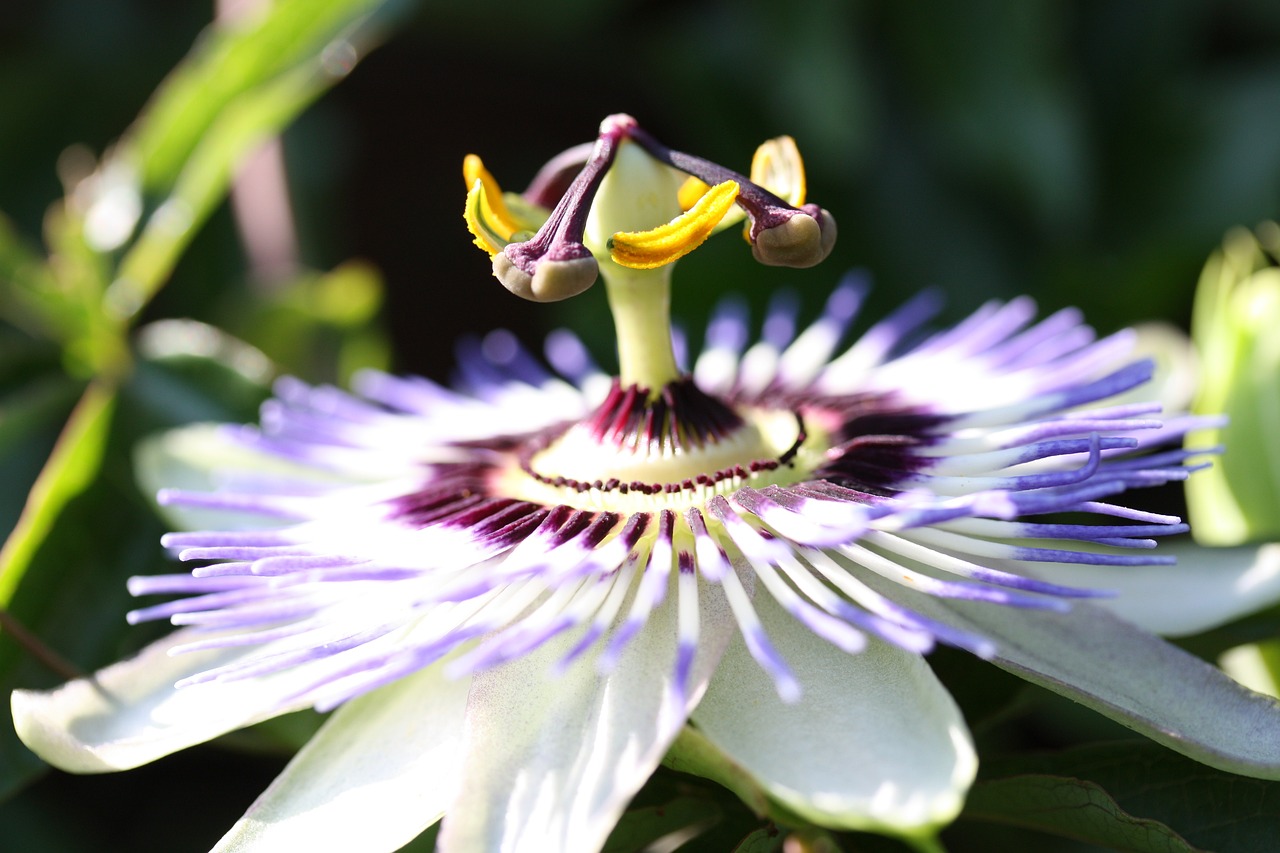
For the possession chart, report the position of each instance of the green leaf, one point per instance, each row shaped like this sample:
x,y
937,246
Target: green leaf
x,y
32,405
230,60
70,469
205,176
31,417
766,839
26,298
321,326
1072,808
242,84
190,371
1256,666
1131,796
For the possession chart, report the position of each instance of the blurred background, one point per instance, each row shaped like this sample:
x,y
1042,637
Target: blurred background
x,y
1086,153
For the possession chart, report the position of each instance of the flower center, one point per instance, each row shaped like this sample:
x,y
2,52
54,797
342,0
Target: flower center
x,y
641,452
634,208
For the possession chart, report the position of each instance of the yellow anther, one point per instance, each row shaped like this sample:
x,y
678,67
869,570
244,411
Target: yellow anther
x,y
643,250
489,216
473,170
778,168
490,233
690,191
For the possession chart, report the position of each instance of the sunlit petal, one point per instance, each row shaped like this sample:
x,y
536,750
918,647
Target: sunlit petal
x,y
130,713
379,772
877,743
1140,681
551,761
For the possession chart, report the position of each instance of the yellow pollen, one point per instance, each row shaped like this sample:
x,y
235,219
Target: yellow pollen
x,y
691,191
488,219
660,246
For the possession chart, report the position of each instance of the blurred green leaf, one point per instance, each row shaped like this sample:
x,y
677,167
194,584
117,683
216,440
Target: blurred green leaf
x,y
231,60
321,326
68,293
242,83
1130,796
190,371
766,839
27,298
203,181
1256,666
36,399
39,406
70,469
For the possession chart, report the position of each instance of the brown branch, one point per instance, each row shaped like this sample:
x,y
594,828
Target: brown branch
x,y
260,202
37,648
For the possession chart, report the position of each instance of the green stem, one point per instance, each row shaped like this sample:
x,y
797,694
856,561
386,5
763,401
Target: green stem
x,y
640,301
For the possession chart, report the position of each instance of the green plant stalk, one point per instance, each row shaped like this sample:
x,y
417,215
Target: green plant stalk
x,y
254,118
72,466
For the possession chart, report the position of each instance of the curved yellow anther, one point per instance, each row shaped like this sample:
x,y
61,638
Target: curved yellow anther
x,y
778,168
486,212
644,250
489,231
473,170
690,191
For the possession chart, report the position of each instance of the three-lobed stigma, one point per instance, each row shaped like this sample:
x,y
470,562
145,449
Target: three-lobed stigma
x,y
637,204
625,208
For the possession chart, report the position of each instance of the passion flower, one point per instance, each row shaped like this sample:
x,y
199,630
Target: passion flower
x,y
517,592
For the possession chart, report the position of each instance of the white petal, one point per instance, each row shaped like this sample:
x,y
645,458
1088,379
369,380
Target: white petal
x,y
191,458
130,713
1134,677
378,773
1208,587
551,761
875,742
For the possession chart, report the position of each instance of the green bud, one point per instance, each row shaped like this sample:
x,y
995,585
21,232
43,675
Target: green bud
x,y
1236,330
